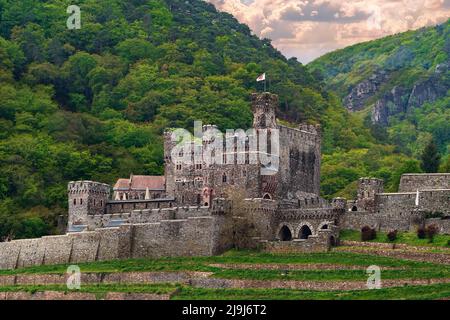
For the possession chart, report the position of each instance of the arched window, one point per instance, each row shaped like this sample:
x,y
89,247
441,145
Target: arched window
x,y
354,208
224,178
324,227
285,234
74,202
305,232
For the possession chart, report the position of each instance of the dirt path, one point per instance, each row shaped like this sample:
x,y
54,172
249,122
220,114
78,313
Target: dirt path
x,y
293,266
307,285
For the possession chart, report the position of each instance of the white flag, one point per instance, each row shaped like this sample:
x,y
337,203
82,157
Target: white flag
x,y
261,77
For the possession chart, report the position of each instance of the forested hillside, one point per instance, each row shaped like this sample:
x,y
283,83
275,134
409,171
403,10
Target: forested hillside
x,y
92,103
398,84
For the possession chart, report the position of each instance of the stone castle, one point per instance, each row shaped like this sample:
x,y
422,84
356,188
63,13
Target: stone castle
x,y
197,209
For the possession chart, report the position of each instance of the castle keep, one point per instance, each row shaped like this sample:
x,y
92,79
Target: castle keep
x,y
199,209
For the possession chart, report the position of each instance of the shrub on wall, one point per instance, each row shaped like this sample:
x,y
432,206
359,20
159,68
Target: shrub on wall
x,y
367,233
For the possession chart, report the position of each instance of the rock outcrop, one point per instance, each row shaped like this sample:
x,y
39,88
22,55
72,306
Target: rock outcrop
x,y
364,90
393,102
400,100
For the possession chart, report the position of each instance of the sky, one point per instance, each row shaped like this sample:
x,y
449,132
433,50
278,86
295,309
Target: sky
x,y
308,29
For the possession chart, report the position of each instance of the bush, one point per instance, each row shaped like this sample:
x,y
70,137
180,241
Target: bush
x,y
367,233
431,231
392,235
421,233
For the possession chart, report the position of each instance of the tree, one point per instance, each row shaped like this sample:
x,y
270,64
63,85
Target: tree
x,y
430,158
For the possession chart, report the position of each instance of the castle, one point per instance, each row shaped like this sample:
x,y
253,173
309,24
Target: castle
x,y
200,208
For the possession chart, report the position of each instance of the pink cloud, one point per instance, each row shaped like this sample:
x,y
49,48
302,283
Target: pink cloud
x,y
308,29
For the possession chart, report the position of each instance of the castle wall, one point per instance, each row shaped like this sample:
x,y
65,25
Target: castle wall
x,y
414,182
321,242
402,203
383,222
300,157
190,237
200,231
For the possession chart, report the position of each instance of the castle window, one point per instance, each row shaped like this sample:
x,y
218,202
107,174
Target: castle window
x,y
74,202
244,173
178,167
224,178
101,203
198,166
81,201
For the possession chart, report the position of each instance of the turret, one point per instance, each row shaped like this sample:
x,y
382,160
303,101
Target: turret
x,y
264,106
86,198
367,189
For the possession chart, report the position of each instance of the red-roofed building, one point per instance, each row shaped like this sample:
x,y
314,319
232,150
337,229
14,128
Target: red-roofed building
x,y
140,188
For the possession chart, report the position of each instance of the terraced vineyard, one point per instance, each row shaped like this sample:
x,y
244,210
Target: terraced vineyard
x,y
406,273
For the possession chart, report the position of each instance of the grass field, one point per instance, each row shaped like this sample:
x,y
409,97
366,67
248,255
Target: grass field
x,y
349,267
410,238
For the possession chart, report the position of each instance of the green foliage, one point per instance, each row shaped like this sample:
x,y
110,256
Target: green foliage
x,y
92,103
430,158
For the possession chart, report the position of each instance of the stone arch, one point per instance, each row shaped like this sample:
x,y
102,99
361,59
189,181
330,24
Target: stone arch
x,y
354,208
267,196
304,223
285,233
304,232
324,225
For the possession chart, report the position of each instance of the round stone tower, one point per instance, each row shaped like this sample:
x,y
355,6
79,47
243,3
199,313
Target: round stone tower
x,y
86,198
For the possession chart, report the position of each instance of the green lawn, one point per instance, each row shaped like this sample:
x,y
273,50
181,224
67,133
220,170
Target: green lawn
x,y
233,256
436,291
409,270
410,238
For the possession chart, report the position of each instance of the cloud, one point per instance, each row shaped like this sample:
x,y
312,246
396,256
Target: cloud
x,y
307,29
322,12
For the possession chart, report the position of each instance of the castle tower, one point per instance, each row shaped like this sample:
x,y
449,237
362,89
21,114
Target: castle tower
x,y
264,106
367,189
86,198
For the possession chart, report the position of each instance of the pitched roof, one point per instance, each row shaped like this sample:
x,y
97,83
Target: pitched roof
x,y
141,183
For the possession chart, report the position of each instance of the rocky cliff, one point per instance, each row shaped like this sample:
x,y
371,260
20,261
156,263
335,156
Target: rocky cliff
x,y
401,100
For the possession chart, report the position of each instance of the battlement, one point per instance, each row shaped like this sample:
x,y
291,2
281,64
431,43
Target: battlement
x,y
369,187
86,186
310,128
266,100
